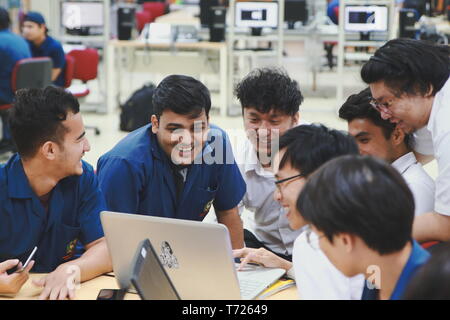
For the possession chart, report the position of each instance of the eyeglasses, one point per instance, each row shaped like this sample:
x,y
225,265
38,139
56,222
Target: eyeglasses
x,y
312,241
381,107
279,182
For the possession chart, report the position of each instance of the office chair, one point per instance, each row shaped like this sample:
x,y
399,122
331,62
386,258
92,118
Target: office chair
x,y
156,9
27,73
142,18
81,65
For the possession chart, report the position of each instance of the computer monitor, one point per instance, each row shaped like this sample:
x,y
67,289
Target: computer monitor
x,y
78,15
366,18
256,14
295,11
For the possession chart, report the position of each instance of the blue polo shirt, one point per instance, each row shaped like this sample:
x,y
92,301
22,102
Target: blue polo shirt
x,y
417,258
12,49
73,216
53,49
136,177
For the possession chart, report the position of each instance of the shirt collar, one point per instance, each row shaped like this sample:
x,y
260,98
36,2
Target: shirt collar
x,y
404,162
18,185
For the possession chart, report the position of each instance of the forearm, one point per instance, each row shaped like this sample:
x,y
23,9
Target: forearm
x,y
233,222
431,226
94,262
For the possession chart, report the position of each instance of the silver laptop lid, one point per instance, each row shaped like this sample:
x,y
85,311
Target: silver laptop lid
x,y
196,255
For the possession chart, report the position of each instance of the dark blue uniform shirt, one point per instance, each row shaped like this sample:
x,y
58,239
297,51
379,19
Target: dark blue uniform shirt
x,y
53,49
73,216
136,177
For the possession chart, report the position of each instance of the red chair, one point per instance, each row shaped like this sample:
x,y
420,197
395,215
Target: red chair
x,y
30,73
142,18
156,9
81,65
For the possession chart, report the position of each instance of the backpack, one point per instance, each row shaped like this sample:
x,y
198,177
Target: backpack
x,y
138,109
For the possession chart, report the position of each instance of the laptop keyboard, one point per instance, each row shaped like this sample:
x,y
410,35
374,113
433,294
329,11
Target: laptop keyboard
x,y
251,288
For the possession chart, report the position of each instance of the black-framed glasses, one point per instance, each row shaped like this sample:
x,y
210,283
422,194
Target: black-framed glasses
x,y
312,241
279,182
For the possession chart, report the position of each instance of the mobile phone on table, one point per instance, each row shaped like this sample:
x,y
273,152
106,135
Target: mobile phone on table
x,y
111,294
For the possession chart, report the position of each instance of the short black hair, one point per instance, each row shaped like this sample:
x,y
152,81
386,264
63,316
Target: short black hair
x,y
431,280
182,95
5,21
358,106
310,146
37,115
268,89
409,66
360,195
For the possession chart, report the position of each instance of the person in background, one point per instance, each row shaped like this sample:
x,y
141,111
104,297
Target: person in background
x,y
12,49
42,45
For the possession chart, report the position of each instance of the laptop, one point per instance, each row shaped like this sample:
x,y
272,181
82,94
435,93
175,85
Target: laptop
x,y
197,256
148,277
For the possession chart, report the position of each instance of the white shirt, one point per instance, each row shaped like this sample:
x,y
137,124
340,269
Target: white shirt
x,y
439,126
318,279
423,142
267,219
418,180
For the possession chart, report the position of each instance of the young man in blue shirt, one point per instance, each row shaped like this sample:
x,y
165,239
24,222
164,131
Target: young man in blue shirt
x,y
12,49
178,165
49,197
42,45
362,212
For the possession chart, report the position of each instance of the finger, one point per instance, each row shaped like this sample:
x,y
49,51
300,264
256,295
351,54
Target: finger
x,y
4,266
240,253
63,293
71,294
29,267
249,258
55,293
45,294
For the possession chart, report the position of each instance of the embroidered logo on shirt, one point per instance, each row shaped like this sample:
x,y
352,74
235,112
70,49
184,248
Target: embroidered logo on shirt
x,y
207,208
70,250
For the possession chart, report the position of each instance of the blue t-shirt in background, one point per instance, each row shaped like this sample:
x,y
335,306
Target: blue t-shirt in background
x,y
12,49
54,50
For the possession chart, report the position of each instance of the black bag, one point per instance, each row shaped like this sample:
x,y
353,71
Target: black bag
x,y
138,109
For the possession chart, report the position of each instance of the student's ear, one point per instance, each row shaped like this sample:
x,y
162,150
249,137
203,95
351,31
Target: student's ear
x,y
49,149
398,136
296,118
155,124
348,241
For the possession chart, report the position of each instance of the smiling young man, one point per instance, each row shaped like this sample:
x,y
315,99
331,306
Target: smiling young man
x,y
50,197
178,165
409,81
385,140
304,149
270,102
364,223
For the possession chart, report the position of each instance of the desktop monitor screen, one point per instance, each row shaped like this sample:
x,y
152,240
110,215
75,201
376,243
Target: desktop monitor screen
x,y
256,14
76,15
295,10
366,18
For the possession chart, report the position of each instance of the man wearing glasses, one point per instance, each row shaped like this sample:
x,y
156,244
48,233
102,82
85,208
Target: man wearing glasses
x,y
303,150
409,81
385,140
